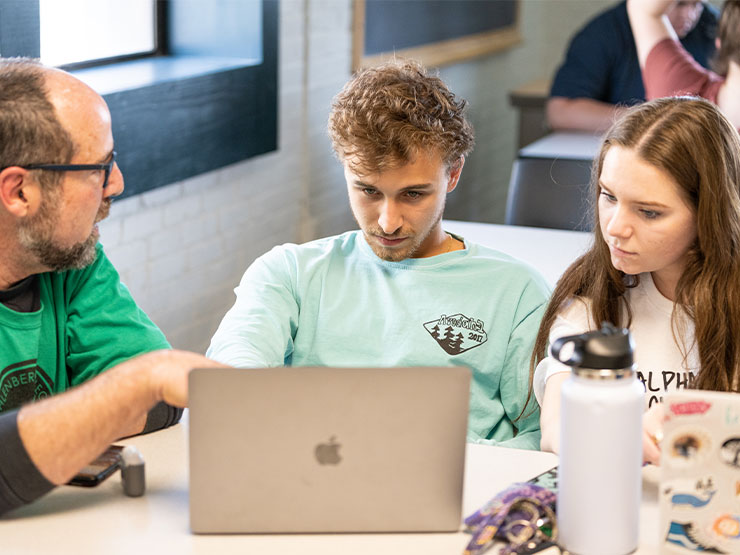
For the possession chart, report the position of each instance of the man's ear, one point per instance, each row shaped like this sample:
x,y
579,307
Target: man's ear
x,y
20,194
455,171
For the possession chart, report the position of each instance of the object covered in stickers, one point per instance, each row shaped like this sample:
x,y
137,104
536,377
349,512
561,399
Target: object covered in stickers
x,y
700,473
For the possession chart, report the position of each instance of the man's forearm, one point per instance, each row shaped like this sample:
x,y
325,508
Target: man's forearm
x,y
649,25
581,114
656,8
65,432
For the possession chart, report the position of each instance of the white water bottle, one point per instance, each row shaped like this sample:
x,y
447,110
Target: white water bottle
x,y
600,473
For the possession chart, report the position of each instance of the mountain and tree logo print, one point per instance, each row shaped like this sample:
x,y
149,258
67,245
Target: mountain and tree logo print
x,y
457,333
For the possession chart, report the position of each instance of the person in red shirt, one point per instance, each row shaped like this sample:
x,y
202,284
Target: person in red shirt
x,y
668,70
600,76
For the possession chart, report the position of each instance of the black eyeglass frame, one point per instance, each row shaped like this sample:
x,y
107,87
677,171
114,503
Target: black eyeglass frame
x,y
107,167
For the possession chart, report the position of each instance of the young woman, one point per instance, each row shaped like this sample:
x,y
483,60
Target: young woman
x,y
667,69
665,261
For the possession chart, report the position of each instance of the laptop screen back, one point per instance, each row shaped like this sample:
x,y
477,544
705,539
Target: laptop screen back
x,y
327,449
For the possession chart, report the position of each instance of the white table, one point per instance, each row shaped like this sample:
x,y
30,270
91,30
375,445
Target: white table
x,y
102,520
551,251
567,145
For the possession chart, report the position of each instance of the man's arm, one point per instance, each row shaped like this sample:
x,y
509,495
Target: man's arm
x,y
520,408
581,114
649,25
515,381
258,330
63,433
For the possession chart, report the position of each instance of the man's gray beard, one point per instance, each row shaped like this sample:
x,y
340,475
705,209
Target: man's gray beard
x,y
37,236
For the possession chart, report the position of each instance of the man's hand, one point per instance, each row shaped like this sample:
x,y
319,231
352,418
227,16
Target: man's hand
x,y
65,432
170,370
581,114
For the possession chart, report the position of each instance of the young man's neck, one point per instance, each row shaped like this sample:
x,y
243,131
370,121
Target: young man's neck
x,y
444,243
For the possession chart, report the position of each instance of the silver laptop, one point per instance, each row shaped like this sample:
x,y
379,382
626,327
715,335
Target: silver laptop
x,y
327,449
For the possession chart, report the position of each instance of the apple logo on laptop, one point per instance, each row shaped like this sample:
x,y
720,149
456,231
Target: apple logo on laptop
x,y
328,453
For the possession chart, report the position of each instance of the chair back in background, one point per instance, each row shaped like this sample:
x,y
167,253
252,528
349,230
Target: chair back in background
x,y
552,193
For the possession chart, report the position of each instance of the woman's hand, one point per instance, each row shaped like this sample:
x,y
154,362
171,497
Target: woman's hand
x,y
652,433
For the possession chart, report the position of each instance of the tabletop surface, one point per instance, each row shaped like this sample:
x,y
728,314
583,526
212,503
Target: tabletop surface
x,y
102,520
569,145
550,251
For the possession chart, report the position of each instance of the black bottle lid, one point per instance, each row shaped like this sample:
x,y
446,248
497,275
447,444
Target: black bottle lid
x,y
608,348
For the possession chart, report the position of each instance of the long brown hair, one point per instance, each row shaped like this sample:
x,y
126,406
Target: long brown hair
x,y
690,140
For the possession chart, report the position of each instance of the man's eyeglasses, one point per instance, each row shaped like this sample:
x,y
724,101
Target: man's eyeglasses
x,y
107,167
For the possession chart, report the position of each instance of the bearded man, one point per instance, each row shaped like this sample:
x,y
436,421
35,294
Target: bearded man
x,y
80,364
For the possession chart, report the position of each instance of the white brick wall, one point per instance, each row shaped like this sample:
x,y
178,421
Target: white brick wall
x,y
181,249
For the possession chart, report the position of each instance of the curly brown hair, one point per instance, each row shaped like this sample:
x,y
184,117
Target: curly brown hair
x,y
385,115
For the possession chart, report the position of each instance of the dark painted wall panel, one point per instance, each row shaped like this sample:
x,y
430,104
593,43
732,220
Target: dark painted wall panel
x,y
174,130
397,24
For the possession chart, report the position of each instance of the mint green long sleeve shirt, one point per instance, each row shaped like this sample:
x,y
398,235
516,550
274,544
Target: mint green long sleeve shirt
x,y
333,302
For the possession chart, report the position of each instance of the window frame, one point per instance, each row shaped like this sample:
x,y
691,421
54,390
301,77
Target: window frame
x,y
160,44
209,111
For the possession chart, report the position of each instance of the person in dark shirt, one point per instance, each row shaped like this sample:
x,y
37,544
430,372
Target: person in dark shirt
x,y
601,75
80,364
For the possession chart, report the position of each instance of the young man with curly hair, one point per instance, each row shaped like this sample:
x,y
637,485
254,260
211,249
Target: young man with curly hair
x,y
400,291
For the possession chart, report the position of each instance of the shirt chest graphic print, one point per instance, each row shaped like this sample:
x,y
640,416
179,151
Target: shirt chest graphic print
x,y
457,333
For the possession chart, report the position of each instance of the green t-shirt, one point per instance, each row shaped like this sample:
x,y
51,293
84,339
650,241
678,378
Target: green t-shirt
x,y
87,323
